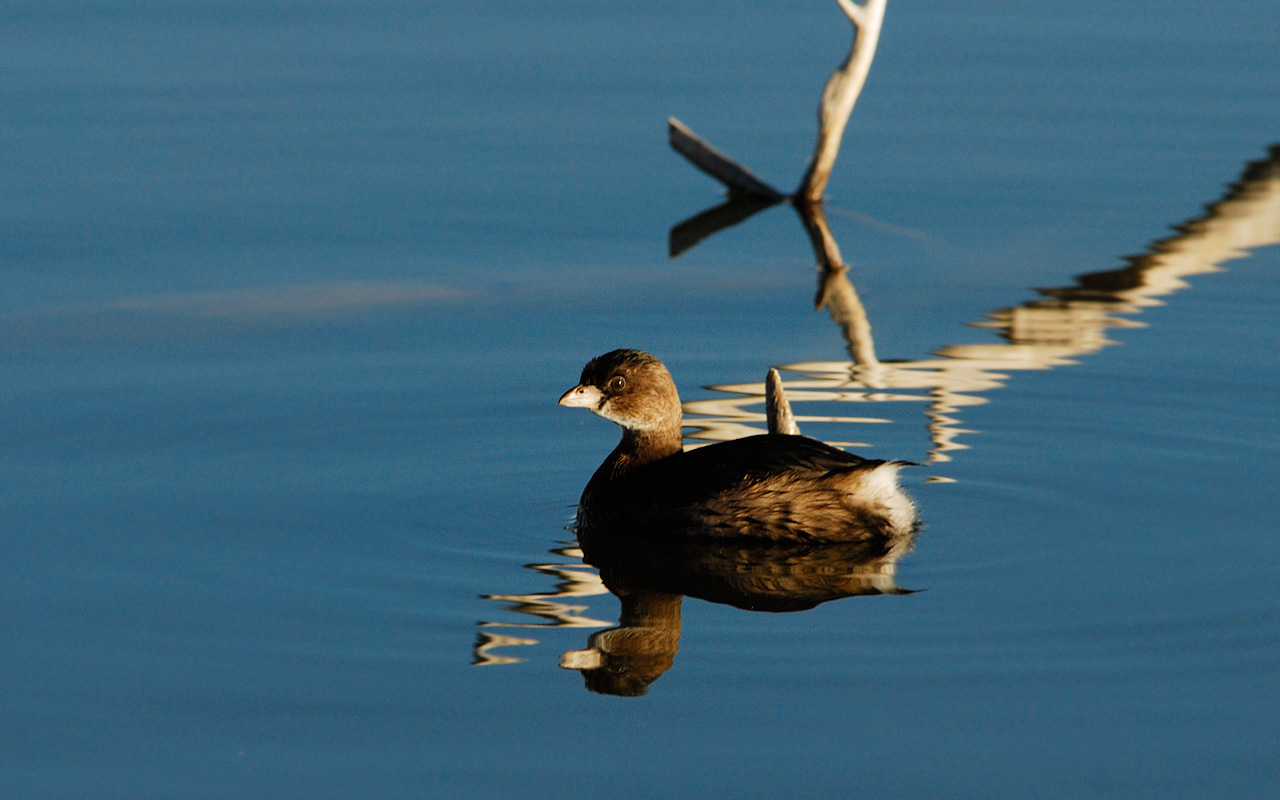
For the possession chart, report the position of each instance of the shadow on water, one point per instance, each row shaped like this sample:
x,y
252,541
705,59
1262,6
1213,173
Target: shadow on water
x,y
652,576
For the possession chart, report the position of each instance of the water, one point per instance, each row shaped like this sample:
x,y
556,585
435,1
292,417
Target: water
x,y
291,289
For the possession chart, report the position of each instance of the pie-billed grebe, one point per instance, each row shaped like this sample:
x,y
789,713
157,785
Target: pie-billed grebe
x,y
771,486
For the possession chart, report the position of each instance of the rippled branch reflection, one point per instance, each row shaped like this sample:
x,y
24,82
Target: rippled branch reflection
x,y
1055,329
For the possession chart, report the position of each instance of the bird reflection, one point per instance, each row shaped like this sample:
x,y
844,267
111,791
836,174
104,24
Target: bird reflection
x,y
651,578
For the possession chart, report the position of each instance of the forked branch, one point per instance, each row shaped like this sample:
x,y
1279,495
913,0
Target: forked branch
x,y
838,98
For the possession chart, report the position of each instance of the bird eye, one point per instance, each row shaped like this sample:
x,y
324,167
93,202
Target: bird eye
x,y
617,383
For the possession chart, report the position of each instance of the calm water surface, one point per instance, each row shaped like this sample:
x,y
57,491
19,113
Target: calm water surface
x,y
291,289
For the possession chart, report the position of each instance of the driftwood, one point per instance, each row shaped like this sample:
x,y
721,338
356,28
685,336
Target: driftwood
x,y
838,98
777,409
749,194
840,94
740,181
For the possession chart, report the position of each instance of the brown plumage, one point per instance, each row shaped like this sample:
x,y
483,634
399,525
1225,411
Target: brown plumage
x,y
772,486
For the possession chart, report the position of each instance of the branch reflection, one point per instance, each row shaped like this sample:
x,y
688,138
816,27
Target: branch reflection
x,y
1052,330
576,581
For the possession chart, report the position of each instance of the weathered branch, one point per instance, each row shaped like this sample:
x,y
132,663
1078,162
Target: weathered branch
x,y
853,11
776,407
840,94
838,98
736,177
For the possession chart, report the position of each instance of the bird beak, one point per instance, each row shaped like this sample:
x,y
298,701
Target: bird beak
x,y
582,397
591,658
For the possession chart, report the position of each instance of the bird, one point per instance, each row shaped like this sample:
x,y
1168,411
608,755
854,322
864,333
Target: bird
x,y
775,487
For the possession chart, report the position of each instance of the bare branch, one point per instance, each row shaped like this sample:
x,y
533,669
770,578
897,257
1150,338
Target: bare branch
x,y
840,94
777,409
856,13
736,177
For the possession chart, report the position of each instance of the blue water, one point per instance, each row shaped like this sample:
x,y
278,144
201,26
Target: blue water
x,y
291,289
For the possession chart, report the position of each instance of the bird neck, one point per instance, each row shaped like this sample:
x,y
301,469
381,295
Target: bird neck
x,y
641,446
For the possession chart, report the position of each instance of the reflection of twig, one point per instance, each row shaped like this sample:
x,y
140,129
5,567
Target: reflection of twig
x,y
1247,217
482,655
835,291
576,579
1073,321
715,219
725,418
